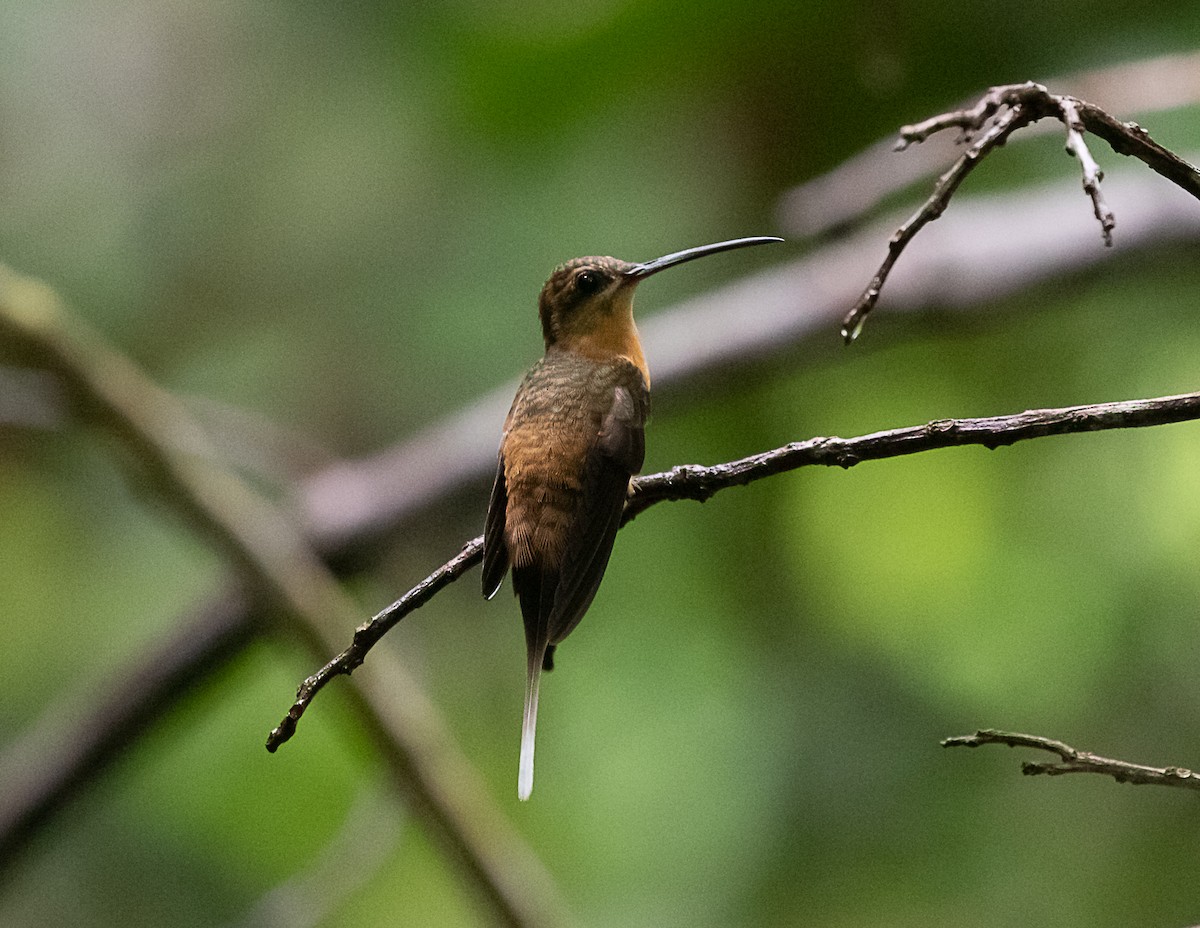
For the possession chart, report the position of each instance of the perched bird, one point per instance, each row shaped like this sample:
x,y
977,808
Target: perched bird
x,y
572,440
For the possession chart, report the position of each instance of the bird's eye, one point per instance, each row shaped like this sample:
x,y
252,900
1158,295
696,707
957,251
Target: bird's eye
x,y
589,282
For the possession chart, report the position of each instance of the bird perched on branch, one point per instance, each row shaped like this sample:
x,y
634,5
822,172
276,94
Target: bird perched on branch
x,y
572,440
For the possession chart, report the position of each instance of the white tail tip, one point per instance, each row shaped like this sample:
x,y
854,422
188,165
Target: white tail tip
x,y
528,733
525,776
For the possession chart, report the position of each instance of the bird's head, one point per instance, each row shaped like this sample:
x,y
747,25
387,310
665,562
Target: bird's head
x,y
587,304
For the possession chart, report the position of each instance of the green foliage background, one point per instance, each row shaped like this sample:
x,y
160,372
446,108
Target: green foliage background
x,y
337,216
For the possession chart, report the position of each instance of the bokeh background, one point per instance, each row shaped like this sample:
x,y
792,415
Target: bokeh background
x,y
325,226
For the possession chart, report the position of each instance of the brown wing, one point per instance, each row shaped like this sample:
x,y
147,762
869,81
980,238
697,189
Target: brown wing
x,y
616,456
495,549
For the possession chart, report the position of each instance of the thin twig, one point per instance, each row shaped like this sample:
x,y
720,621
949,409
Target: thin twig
x,y
968,122
1128,138
699,483
367,634
1092,175
997,114
842,197
930,210
1076,761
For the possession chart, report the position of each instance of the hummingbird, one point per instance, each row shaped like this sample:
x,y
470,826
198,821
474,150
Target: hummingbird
x,y
572,440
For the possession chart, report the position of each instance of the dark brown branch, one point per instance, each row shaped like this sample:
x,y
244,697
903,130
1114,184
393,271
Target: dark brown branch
x,y
852,191
1076,761
700,483
931,209
367,634
696,482
997,114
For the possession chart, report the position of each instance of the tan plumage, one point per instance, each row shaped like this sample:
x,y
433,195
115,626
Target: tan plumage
x,y
573,438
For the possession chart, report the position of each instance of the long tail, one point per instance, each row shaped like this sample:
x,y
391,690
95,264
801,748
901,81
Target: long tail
x,y
536,589
529,724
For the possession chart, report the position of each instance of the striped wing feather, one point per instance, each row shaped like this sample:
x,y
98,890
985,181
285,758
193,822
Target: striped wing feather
x,y
616,456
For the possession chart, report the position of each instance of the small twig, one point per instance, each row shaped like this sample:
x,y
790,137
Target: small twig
x,y
969,122
843,197
999,113
367,634
1092,175
1076,761
699,483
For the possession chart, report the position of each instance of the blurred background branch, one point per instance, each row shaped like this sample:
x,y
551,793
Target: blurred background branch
x,y
79,738
291,583
999,246
357,852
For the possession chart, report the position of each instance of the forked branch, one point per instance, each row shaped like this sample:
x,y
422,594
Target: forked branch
x,y
1072,760
985,127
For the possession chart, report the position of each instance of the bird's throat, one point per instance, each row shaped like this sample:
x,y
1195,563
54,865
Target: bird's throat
x,y
611,337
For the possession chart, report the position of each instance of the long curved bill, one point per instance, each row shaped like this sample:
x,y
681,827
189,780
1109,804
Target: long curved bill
x,y
645,269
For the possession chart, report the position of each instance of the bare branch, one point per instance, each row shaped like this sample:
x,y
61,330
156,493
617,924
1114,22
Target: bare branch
x,y
367,634
845,195
699,483
997,114
936,204
1076,761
